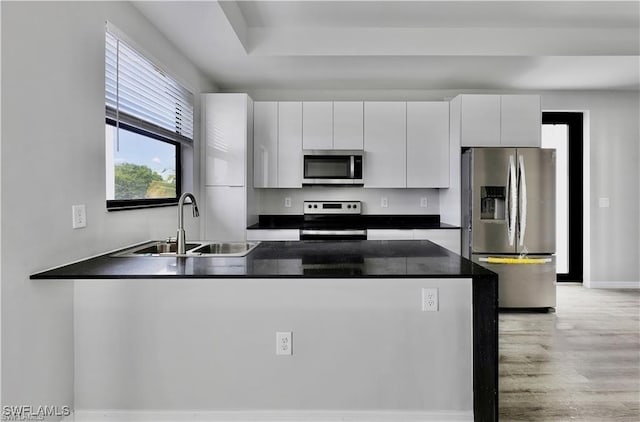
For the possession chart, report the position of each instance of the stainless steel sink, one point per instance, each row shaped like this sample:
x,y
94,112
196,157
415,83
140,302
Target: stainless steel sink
x,y
157,249
199,249
225,249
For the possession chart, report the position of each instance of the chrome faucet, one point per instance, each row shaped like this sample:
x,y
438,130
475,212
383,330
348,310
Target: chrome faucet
x,y
181,234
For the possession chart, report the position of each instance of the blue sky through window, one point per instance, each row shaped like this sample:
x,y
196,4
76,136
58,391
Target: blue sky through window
x,y
138,149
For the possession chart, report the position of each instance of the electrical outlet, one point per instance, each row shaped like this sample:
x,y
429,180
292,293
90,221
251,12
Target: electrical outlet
x,y
284,343
603,202
384,202
423,202
287,202
79,216
430,299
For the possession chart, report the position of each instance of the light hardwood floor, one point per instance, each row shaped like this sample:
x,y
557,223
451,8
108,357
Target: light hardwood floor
x,y
581,363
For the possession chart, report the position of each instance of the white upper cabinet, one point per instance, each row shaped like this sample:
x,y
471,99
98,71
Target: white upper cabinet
x,y
385,144
428,144
265,144
317,125
521,121
348,125
500,120
226,138
480,120
290,144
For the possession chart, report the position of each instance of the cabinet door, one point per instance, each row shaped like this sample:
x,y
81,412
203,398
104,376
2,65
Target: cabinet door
x,y
226,138
385,144
480,121
290,144
273,234
521,121
427,144
348,125
265,144
225,216
317,125
447,238
389,234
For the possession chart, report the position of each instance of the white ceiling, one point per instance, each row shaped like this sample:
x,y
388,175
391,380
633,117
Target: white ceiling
x,y
422,44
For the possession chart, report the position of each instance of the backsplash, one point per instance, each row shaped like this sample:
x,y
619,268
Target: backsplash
x,y
399,201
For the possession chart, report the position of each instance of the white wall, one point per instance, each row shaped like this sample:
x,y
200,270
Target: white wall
x,y
614,154
52,157
209,345
0,206
612,235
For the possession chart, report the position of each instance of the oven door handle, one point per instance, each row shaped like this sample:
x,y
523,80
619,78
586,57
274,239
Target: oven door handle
x,y
310,232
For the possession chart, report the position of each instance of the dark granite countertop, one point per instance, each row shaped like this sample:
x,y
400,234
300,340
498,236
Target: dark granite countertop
x,y
332,259
307,259
369,221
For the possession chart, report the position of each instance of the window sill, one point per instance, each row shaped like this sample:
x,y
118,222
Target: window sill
x,y
141,204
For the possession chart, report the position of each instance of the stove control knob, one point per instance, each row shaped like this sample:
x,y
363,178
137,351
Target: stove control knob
x,y
315,206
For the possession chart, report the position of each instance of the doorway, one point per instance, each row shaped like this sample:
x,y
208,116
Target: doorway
x,y
563,131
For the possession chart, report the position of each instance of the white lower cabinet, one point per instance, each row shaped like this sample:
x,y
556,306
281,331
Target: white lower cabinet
x,y
273,234
447,238
389,234
225,215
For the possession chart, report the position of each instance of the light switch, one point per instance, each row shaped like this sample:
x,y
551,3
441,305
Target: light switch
x,y
603,202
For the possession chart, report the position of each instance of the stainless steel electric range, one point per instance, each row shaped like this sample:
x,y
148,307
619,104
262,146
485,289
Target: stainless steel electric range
x,y
333,220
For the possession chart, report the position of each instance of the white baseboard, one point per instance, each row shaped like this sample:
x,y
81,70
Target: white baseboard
x,y
614,284
266,416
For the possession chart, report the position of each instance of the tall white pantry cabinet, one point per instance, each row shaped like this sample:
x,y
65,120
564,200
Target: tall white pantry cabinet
x,y
228,166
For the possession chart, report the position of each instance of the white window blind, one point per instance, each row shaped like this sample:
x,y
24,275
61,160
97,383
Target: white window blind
x,y
140,94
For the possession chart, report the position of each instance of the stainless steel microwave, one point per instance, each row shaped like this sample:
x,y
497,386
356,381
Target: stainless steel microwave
x,y
332,167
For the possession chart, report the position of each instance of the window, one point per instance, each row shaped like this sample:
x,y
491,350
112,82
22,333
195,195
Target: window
x,y
564,131
149,122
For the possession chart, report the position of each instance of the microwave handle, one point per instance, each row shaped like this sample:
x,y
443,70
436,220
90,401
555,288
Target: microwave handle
x,y
353,166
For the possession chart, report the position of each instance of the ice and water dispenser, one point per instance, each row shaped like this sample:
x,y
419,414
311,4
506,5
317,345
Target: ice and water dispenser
x,y
492,202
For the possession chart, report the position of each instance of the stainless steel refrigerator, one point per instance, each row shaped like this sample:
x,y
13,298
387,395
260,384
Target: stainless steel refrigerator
x,y
508,213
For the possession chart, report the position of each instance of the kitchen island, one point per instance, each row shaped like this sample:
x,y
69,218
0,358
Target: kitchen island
x,y
184,333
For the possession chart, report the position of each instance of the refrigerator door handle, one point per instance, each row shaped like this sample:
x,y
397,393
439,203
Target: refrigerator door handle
x,y
512,198
522,193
